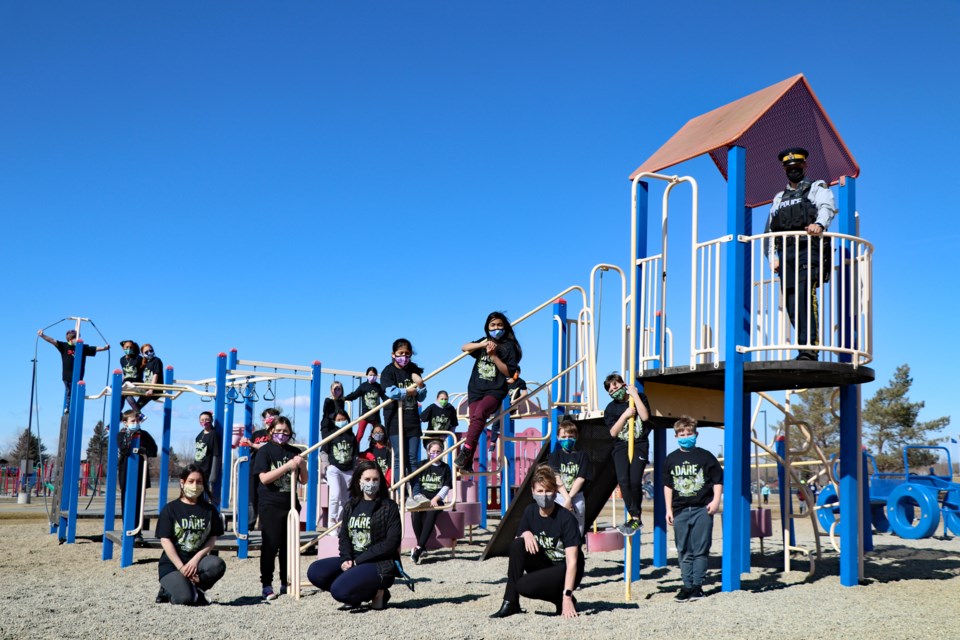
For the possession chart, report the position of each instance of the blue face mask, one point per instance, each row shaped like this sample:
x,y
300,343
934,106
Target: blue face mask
x,y
340,424
687,442
496,333
567,443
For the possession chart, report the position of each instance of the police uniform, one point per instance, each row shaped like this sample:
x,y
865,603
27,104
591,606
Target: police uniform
x,y
802,259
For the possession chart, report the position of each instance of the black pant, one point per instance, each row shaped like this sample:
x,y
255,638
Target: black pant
x,y
630,476
273,532
181,591
535,576
796,298
423,522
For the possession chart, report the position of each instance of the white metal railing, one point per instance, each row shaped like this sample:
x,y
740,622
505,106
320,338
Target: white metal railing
x,y
705,301
652,294
838,304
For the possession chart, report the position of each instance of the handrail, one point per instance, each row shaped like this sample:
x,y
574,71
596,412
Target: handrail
x,y
234,488
624,304
143,497
105,392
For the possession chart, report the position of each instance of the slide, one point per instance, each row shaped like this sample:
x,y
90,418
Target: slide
x,y
596,441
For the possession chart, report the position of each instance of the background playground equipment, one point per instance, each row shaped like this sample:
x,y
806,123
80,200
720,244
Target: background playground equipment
x,y
907,504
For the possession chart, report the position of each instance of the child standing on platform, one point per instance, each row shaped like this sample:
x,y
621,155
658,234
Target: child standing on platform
x,y
440,416
379,451
342,453
402,382
692,488
207,454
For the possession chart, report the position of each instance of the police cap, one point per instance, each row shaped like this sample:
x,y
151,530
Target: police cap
x,y
793,154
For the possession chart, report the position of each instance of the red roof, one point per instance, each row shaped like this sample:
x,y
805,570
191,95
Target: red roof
x,y
783,115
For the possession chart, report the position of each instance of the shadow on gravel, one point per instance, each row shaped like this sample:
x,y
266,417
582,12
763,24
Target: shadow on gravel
x,y
242,601
593,608
417,603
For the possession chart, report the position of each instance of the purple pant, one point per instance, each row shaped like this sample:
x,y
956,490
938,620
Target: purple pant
x,y
480,412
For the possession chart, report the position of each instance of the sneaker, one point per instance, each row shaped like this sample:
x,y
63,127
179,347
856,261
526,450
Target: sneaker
x,y
423,500
630,527
268,593
162,596
417,554
697,593
201,600
382,603
683,595
417,502
464,459
283,589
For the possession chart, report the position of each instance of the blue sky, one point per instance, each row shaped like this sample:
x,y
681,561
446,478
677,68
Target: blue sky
x,y
312,180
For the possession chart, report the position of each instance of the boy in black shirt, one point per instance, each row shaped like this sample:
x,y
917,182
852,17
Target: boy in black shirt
x,y
67,350
207,454
440,416
132,440
617,417
572,469
692,487
152,374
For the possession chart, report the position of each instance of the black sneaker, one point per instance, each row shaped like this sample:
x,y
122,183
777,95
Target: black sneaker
x,y
506,610
162,596
697,593
417,555
201,600
683,595
464,459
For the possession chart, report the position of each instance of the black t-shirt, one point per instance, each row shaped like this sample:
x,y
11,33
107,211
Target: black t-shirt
x,y
151,368
66,357
440,418
554,533
358,526
516,385
383,456
394,376
189,526
434,477
692,475
132,371
370,394
207,448
330,408
342,451
273,456
485,378
570,466
641,430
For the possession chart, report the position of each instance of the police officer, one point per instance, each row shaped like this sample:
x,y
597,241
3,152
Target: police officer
x,y
802,206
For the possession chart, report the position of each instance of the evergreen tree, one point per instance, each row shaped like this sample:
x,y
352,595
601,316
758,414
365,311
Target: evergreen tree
x,y
98,445
28,447
890,423
813,407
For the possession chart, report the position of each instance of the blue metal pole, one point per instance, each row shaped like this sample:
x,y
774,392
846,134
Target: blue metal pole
x,y
227,442
165,443
110,495
242,525
736,401
313,460
659,503
77,416
130,502
850,448
219,403
867,515
508,475
482,496
70,466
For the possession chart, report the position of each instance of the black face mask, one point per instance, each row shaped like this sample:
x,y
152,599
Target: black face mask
x,y
794,174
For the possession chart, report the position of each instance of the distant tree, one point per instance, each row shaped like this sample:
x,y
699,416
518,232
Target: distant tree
x,y
97,446
27,447
813,407
890,423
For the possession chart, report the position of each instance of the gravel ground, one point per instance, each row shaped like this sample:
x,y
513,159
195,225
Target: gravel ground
x,y
911,591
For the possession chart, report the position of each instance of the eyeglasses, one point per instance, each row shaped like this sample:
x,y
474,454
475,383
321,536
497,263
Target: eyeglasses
x,y
148,353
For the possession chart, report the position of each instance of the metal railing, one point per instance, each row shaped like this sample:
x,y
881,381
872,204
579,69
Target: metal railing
x,y
838,303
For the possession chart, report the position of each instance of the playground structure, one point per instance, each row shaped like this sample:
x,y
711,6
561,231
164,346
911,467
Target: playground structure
x,y
908,504
744,349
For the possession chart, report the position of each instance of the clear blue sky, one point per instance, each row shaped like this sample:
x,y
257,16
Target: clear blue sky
x,y
310,180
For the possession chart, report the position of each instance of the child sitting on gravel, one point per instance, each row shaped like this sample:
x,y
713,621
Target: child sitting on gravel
x,y
692,487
